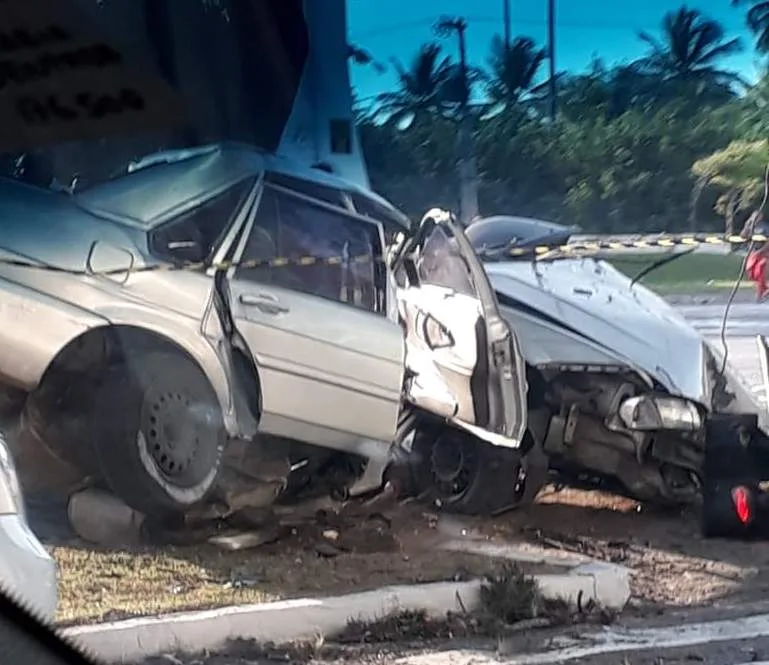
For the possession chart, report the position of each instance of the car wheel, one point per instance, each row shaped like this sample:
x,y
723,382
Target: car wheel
x,y
158,433
460,474
55,419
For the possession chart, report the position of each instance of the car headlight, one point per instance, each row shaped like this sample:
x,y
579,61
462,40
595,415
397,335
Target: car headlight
x,y
652,412
11,499
435,333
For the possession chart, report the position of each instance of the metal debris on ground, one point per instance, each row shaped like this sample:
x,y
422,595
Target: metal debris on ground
x,y
327,526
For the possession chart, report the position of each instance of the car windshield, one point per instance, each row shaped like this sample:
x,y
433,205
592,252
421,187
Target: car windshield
x,y
298,298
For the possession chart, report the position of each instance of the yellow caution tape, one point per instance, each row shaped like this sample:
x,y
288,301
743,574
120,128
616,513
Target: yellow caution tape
x,y
542,252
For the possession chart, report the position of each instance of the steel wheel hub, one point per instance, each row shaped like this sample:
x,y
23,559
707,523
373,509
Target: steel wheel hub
x,y
450,464
172,431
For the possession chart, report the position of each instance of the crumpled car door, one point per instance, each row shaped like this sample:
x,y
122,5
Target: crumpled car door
x,y
463,361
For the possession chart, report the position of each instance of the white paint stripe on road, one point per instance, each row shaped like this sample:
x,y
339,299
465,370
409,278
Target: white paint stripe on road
x,y
612,640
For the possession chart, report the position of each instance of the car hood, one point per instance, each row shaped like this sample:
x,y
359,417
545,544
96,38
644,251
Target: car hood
x,y
594,300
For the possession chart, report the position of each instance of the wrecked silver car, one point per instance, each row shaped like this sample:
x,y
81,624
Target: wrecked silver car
x,y
218,325
622,389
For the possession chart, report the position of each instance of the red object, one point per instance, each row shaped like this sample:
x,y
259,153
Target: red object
x,y
755,267
741,498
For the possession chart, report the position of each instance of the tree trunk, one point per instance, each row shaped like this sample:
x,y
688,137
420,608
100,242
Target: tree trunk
x,y
731,209
697,190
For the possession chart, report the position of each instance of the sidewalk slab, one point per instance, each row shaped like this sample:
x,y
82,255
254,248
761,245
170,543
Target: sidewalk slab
x,y
291,620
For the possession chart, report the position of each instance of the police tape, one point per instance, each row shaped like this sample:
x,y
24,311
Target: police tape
x,y
583,249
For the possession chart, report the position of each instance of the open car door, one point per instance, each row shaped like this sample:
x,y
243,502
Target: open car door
x,y
463,362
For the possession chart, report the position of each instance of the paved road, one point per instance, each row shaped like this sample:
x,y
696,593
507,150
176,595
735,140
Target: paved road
x,y
685,644
744,322
744,319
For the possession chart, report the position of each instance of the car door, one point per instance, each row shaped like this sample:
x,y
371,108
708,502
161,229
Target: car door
x,y
330,361
463,361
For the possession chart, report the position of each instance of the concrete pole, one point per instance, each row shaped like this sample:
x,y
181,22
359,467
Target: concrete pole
x,y
551,57
507,22
468,171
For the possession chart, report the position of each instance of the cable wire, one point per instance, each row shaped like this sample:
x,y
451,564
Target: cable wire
x,y
740,277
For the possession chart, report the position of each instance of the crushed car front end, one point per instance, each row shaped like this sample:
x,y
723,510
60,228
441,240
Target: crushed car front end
x,y
628,388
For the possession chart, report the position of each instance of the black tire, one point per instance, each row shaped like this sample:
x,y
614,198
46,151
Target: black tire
x,y
491,482
56,418
151,454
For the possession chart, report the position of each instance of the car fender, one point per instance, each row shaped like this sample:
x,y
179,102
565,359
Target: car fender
x,y
34,327
204,342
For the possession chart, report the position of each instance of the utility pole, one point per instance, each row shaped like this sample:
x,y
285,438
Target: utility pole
x,y
468,171
551,57
506,14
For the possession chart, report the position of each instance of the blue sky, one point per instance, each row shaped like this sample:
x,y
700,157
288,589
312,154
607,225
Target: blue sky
x,y
585,28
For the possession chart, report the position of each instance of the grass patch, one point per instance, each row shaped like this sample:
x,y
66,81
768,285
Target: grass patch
x,y
694,273
100,585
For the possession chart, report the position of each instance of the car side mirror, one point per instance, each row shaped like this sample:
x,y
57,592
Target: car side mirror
x,y
106,260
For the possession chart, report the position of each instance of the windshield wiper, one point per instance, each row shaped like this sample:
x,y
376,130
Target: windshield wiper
x,y
659,263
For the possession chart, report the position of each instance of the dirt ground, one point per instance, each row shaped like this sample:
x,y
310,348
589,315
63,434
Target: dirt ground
x,y
312,559
676,576
671,565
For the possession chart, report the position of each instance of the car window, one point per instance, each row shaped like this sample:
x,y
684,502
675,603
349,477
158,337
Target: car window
x,y
313,189
194,234
441,263
294,228
393,222
262,242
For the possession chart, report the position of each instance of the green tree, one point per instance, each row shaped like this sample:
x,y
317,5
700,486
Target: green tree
x,y
738,171
758,21
360,56
421,86
687,56
513,70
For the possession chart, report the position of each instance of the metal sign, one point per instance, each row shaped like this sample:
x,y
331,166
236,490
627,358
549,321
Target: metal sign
x,y
60,82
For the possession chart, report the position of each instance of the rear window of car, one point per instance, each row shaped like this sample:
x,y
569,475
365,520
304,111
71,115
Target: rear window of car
x,y
194,234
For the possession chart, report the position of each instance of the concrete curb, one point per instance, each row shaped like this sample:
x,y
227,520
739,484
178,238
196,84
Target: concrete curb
x,y
290,620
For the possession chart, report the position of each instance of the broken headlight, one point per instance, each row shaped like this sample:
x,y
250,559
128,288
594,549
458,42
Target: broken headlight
x,y
658,412
436,334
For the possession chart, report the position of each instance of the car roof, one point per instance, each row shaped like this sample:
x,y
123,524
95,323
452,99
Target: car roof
x,y
502,230
165,184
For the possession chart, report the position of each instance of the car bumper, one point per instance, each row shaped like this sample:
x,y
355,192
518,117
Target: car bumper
x,y
26,569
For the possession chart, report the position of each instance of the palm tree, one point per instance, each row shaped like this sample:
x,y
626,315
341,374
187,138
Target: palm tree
x,y
421,86
360,56
689,51
758,21
514,69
